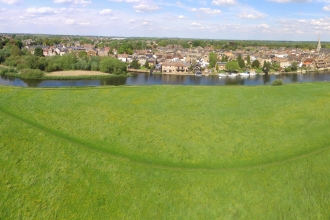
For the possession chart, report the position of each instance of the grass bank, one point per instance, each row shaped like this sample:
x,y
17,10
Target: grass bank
x,y
165,152
66,75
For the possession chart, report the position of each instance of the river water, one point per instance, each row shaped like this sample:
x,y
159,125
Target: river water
x,y
157,79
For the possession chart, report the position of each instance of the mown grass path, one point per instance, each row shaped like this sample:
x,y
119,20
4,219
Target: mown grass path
x,y
141,161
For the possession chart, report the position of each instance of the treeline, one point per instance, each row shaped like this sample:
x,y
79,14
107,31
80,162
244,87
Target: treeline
x,y
12,56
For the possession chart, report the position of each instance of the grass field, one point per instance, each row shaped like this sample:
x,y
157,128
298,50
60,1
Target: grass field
x,y
77,73
165,152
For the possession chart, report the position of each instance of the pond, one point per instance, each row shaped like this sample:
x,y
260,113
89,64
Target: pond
x,y
158,79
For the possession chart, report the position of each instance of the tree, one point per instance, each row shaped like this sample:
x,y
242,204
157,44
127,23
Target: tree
x,y
15,51
112,65
232,66
266,66
82,54
294,66
248,60
256,64
38,52
135,64
213,59
240,61
146,65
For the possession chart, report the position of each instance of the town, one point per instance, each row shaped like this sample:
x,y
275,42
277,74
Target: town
x,y
183,56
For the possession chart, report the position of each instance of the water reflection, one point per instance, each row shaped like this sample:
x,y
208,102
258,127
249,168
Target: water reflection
x,y
158,79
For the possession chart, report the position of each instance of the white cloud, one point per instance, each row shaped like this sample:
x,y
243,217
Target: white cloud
x,y
326,8
42,10
76,2
290,1
106,11
196,24
251,16
181,17
84,23
11,2
146,8
70,22
206,10
264,26
224,2
128,1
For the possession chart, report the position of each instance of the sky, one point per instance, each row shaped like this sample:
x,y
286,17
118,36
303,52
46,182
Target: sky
x,y
289,20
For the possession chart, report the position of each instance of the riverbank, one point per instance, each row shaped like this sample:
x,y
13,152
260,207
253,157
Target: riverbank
x,y
65,75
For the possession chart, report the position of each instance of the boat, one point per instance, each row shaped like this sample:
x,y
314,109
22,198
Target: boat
x,y
253,74
232,75
222,75
244,74
276,73
198,73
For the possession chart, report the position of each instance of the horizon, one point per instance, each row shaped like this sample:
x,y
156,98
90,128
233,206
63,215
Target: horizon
x,y
266,20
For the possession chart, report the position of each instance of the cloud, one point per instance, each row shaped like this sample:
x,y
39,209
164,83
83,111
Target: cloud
x,y
84,23
106,11
42,10
11,2
224,2
70,22
146,8
264,26
196,24
76,2
206,10
290,1
182,17
128,1
251,16
326,8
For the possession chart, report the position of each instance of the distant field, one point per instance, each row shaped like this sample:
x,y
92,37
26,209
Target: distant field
x,y
77,73
165,152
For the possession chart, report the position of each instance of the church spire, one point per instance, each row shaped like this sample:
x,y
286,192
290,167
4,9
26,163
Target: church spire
x,y
318,45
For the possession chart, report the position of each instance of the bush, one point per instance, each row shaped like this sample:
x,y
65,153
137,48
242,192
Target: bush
x,y
277,82
32,74
7,71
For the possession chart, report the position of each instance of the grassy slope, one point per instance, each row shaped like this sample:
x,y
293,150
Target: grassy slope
x,y
43,176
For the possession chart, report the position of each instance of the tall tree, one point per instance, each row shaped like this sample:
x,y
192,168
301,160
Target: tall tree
x,y
38,52
15,51
256,64
240,61
248,60
213,59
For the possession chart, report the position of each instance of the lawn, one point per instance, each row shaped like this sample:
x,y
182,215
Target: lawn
x,y
165,152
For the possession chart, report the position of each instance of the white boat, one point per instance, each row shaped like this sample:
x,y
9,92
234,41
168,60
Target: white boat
x,y
244,74
253,74
232,75
276,73
222,75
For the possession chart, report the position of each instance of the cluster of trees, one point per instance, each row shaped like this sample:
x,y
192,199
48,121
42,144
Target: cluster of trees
x,y
11,55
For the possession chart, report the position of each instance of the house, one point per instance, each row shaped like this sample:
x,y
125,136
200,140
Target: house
x,y
283,62
103,52
152,61
142,59
175,67
308,62
123,57
221,65
91,51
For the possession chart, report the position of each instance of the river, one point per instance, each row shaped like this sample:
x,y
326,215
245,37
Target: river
x,y
157,79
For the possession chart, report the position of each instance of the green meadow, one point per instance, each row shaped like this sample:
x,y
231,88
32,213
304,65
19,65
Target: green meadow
x,y
165,152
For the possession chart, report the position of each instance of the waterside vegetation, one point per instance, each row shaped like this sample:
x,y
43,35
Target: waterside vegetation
x,y
165,152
